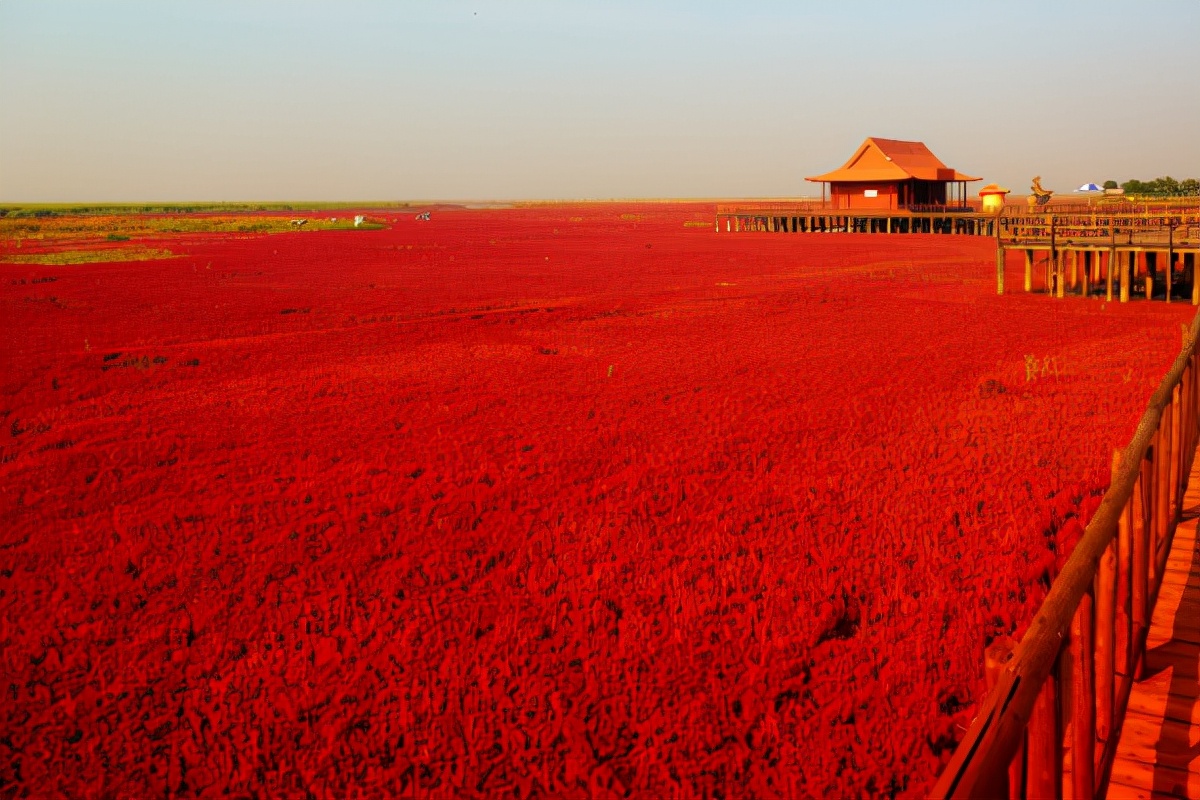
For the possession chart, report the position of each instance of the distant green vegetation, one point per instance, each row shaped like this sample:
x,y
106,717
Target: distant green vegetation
x,y
116,227
1159,187
67,257
78,209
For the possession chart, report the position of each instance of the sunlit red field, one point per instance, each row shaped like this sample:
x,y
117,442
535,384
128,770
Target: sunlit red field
x,y
551,501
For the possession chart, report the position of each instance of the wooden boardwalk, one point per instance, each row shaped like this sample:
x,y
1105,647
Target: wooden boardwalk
x,y
1159,751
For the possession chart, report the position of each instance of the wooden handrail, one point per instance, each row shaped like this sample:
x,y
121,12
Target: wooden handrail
x,y
980,764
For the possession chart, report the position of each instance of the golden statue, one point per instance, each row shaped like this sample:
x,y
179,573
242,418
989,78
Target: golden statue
x,y
1040,196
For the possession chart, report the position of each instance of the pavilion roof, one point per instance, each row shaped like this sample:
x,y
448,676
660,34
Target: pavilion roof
x,y
878,160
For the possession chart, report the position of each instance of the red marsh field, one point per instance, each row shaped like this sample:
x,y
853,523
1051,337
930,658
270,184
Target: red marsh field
x,y
549,501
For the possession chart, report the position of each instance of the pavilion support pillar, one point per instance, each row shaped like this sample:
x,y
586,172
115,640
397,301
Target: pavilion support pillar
x,y
1084,273
1073,268
1059,260
1029,270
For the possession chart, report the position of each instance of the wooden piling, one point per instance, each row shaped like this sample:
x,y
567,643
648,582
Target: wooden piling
x,y
1000,270
1162,487
1043,747
1139,573
1029,270
1125,280
1169,273
1083,703
1175,426
995,657
1106,655
1123,622
1108,275
1195,282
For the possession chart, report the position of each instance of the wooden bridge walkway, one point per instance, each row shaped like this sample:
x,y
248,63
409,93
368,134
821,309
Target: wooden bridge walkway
x,y
1159,751
1101,695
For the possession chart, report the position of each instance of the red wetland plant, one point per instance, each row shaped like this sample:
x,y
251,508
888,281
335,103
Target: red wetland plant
x,y
536,502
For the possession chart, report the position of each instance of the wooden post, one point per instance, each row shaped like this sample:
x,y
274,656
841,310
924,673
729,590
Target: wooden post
x,y
1106,634
999,270
1043,747
1108,275
1193,413
995,657
1087,285
1170,270
1073,268
1162,486
1139,573
1122,641
1181,424
1125,270
1189,408
1057,259
1195,282
1083,701
1029,270
1152,516
1169,275
1176,440
1053,263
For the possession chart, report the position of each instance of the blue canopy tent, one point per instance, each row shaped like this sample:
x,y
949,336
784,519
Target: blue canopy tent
x,y
1090,187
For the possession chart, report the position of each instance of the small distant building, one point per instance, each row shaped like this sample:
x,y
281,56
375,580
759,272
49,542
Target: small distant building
x,y
893,174
991,198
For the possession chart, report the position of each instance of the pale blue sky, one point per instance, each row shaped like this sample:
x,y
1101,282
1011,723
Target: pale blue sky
x,y
259,100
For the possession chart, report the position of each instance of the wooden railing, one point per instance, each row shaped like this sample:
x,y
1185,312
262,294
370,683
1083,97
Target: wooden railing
x,y
955,207
802,207
1120,229
1089,635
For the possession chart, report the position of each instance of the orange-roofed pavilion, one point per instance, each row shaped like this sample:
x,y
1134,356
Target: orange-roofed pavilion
x,y
890,173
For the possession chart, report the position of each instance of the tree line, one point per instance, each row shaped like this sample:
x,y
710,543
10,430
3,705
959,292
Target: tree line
x,y
1159,187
